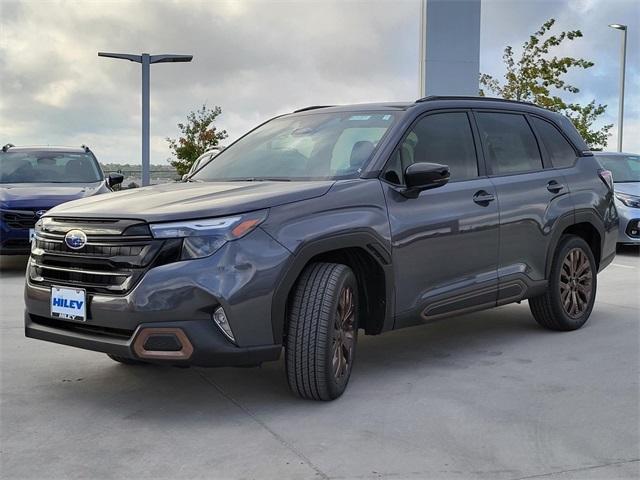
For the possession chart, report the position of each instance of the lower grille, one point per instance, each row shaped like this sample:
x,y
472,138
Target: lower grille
x,y
122,333
114,280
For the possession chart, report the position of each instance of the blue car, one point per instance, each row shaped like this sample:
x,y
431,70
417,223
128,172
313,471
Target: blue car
x,y
35,179
625,168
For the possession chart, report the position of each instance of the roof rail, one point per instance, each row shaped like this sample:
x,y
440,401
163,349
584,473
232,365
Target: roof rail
x,y
85,148
468,97
312,107
7,147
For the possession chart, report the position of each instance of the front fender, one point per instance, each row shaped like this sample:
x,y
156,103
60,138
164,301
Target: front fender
x,y
352,214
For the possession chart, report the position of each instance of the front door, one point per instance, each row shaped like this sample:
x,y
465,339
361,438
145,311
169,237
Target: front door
x,y
445,241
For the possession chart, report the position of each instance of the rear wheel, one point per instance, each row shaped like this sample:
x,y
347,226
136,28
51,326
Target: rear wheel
x,y
571,292
322,331
125,360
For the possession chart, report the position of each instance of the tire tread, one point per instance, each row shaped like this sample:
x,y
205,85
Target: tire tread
x,y
310,316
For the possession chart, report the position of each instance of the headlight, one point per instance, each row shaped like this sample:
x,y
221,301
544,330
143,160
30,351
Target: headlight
x,y
629,200
204,237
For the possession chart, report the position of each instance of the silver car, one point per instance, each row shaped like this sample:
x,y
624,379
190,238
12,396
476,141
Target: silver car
x,y
202,160
625,168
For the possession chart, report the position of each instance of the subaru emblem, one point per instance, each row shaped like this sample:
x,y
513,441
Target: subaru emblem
x,y
75,239
39,213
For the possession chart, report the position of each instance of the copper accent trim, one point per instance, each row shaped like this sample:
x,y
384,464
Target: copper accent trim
x,y
183,354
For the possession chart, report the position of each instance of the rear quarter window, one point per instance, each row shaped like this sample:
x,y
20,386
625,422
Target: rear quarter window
x,y
560,151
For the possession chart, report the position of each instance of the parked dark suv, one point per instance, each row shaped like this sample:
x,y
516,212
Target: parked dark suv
x,y
35,179
325,221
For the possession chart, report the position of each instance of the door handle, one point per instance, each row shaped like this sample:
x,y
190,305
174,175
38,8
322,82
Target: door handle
x,y
555,187
483,198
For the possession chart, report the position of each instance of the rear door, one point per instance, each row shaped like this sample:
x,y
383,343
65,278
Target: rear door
x,y
531,199
445,241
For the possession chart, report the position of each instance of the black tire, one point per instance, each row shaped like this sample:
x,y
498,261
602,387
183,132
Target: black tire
x,y
555,308
322,335
125,360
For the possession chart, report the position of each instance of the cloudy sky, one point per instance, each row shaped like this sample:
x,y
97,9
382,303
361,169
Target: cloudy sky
x,y
258,59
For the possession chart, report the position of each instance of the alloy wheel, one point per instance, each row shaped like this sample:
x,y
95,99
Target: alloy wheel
x,y
576,283
343,334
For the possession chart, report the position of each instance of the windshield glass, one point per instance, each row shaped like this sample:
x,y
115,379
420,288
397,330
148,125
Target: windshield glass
x,y
302,147
48,167
624,168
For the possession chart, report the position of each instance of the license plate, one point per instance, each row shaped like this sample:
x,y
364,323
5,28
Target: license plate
x,y
32,234
69,303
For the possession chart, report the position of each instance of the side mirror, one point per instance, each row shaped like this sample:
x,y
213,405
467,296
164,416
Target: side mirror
x,y
423,176
114,179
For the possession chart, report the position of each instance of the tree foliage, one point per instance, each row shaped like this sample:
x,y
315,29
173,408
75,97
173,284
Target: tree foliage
x,y
198,135
537,76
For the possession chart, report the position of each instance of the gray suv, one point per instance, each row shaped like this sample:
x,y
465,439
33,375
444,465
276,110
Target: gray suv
x,y
325,222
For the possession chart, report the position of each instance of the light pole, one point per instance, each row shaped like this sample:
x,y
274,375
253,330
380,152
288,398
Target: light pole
x,y
146,60
623,62
422,50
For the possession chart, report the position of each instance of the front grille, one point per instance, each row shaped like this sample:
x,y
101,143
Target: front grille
x,y
19,219
116,256
93,250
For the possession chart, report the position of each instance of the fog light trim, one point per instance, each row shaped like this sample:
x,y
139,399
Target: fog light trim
x,y
141,338
220,319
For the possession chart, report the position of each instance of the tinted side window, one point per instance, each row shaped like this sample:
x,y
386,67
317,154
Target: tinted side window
x,y
509,143
444,138
559,150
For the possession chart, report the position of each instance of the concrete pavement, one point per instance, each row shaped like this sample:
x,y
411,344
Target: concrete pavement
x,y
488,395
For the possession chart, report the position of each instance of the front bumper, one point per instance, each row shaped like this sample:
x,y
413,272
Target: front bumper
x,y
209,347
240,277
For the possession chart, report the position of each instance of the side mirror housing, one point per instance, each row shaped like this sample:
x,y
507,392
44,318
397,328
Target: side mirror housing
x,y
424,176
114,179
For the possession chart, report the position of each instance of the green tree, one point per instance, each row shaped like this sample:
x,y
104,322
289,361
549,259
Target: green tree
x,y
539,77
198,135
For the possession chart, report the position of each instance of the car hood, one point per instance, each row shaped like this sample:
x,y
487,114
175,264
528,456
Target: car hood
x,y
43,195
630,188
183,201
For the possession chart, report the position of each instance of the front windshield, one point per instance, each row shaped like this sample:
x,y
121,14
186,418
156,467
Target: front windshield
x,y
302,147
624,168
48,167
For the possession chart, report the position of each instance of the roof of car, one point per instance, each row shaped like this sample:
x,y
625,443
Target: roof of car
x,y
357,107
436,101
49,148
616,154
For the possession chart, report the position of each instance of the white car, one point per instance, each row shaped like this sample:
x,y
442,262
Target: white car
x,y
625,168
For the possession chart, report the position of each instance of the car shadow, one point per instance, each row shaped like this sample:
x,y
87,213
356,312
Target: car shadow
x,y
628,250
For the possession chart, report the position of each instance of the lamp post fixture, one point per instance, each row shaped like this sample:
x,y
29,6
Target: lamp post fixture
x,y
146,60
623,62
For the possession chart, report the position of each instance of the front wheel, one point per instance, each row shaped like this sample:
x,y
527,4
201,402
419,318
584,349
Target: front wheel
x,y
322,331
571,292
